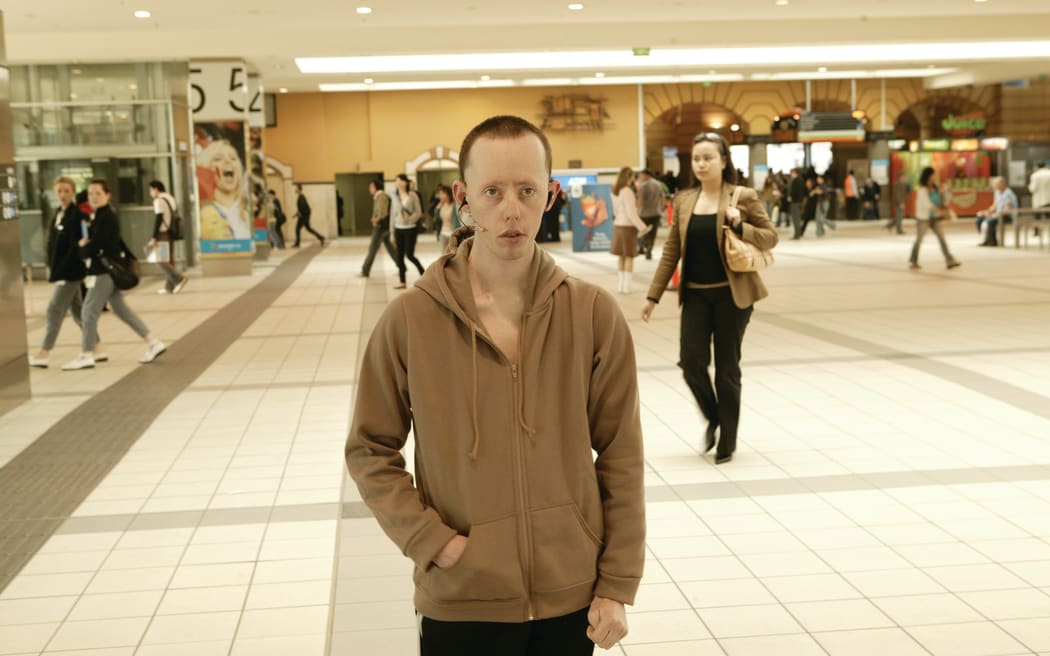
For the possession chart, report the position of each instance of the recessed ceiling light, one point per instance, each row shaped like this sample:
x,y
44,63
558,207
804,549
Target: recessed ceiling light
x,y
283,89
822,69
142,13
485,78
98,79
599,75
133,86
76,71
369,80
735,127
575,6
73,96
364,10
782,3
980,0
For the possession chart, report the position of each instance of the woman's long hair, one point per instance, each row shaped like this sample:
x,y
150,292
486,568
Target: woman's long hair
x,y
625,178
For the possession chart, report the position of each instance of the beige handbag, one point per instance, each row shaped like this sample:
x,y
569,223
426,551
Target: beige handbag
x,y
742,256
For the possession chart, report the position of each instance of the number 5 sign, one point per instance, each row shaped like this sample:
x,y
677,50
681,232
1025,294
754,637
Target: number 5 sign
x,y
219,91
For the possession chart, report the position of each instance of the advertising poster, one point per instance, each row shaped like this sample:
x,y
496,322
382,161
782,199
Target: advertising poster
x,y
226,222
966,175
257,178
593,230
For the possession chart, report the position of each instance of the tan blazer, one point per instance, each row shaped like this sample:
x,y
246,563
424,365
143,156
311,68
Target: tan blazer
x,y
747,288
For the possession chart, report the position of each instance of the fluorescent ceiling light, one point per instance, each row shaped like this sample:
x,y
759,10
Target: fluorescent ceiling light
x,y
364,10
549,82
848,75
142,13
422,85
693,58
576,6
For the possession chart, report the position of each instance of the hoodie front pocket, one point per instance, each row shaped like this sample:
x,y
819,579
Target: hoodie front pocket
x,y
565,549
488,570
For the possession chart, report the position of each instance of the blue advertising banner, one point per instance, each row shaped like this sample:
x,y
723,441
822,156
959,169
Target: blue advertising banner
x,y
592,232
214,246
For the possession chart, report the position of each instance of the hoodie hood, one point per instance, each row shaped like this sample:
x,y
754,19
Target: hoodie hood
x,y
448,283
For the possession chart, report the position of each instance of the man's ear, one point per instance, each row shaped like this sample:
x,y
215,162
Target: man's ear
x,y
459,193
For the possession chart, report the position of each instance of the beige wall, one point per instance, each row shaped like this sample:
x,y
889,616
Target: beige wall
x,y
321,134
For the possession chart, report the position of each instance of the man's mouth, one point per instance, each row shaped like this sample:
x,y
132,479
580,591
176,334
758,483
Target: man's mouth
x,y
512,233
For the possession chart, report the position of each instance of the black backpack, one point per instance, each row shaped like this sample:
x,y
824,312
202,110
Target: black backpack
x,y
175,225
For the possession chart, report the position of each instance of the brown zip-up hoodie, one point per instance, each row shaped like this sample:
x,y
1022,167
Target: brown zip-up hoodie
x,y
505,451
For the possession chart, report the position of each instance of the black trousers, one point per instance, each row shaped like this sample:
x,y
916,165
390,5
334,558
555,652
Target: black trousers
x,y
380,235
558,636
648,239
305,223
707,314
406,248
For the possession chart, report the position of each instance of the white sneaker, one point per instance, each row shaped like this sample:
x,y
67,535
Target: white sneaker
x,y
153,351
163,290
82,361
38,362
178,287
101,357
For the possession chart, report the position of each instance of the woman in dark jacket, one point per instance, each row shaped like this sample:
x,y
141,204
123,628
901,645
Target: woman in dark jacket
x,y
67,270
103,240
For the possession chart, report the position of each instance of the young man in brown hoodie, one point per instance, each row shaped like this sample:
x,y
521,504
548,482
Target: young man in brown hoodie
x,y
526,522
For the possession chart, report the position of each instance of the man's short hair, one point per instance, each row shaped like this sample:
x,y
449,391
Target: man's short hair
x,y
502,127
65,179
158,185
298,187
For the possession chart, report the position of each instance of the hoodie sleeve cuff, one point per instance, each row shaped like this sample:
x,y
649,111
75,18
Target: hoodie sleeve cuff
x,y
428,543
617,588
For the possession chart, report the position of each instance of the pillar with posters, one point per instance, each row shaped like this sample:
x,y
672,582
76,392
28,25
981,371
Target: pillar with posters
x,y
256,172
220,101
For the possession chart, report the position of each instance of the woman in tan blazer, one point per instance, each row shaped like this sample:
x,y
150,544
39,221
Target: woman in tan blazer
x,y
716,302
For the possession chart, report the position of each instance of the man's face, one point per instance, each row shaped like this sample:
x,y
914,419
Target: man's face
x,y
506,187
153,192
1000,185
65,193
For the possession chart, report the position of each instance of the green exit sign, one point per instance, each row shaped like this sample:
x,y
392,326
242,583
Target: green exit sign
x,y
640,52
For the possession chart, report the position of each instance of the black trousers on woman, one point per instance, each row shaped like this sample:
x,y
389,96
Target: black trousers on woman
x,y
405,240
711,314
558,636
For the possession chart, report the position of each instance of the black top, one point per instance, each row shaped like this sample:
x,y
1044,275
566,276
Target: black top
x,y
63,252
303,207
104,236
703,262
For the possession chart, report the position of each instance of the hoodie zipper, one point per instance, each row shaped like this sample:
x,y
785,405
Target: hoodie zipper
x,y
523,486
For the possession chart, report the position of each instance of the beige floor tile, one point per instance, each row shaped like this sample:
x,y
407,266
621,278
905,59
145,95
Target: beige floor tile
x,y
915,610
46,585
685,648
973,639
203,600
782,645
730,592
1009,604
265,623
99,633
870,642
393,642
281,595
740,621
787,564
167,629
659,596
204,648
221,574
705,569
35,610
963,578
25,639
130,580
115,605
840,615
810,587
891,583
665,626
1033,633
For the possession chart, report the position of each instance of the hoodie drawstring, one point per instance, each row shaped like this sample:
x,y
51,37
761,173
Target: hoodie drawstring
x,y
474,361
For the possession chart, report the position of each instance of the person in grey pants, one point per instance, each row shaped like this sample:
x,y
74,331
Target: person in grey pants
x,y
103,240
380,227
67,270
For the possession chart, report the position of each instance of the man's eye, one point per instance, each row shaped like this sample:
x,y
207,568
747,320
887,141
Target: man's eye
x,y
528,192
491,192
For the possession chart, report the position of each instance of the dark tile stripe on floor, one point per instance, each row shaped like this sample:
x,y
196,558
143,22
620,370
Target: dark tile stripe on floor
x,y
48,480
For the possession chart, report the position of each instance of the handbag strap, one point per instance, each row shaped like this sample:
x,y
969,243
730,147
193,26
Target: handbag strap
x,y
736,196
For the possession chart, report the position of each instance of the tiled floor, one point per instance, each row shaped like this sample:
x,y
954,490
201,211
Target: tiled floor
x,y
891,493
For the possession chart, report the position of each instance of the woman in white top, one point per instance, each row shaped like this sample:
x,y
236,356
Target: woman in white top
x,y
930,211
445,214
405,210
627,228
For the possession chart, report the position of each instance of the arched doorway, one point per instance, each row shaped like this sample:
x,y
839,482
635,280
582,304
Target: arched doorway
x,y
677,126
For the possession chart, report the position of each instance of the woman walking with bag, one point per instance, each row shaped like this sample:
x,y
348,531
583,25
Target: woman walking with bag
x,y
103,241
716,301
627,228
406,209
930,210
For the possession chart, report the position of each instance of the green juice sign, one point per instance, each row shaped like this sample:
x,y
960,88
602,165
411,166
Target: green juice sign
x,y
964,125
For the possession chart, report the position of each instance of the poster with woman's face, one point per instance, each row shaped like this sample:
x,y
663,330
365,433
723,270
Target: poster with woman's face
x,y
226,225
